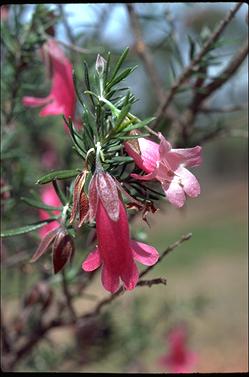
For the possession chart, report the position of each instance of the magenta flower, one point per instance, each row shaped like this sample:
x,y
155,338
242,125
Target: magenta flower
x,y
168,166
49,197
62,99
115,251
178,359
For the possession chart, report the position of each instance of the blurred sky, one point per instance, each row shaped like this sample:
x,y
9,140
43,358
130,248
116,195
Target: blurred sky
x,y
79,14
117,33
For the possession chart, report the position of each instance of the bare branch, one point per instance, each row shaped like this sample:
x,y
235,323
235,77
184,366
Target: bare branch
x,y
189,116
189,69
145,55
225,109
166,252
66,24
151,282
80,49
122,290
68,297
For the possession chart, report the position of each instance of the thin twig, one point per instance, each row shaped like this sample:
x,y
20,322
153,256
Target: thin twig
x,y
66,25
68,297
189,69
166,252
189,116
145,55
78,49
225,109
122,290
149,283
42,330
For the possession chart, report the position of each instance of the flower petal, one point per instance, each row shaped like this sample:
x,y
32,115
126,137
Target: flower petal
x,y
148,157
189,156
130,275
44,244
34,101
190,184
92,262
144,253
164,146
147,177
174,192
52,109
108,193
110,280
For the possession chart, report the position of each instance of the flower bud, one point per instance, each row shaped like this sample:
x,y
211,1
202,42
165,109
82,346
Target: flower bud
x,y
63,250
100,65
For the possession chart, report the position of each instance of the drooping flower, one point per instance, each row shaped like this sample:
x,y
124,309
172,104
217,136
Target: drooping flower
x,y
178,359
168,166
61,99
115,251
62,250
50,198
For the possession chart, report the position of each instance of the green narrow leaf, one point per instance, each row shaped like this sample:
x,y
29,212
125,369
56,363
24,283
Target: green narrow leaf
x,y
125,110
74,134
120,62
138,125
27,228
107,68
76,88
59,192
57,174
87,81
120,77
130,137
38,204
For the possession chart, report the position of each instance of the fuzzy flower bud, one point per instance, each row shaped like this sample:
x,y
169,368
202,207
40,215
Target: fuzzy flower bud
x,y
100,65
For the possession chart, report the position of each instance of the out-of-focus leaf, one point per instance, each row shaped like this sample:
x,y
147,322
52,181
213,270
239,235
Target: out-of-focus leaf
x,y
27,228
38,204
58,174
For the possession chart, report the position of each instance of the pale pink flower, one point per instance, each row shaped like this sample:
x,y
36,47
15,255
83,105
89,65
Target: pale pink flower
x,y
179,359
62,99
115,251
168,166
49,197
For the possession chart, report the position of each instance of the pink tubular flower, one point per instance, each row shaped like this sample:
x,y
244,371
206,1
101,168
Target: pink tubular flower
x,y
49,197
115,251
62,99
168,166
179,359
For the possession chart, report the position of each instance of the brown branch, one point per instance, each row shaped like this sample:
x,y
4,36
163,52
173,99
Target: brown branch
x,y
190,68
149,283
228,72
66,25
189,116
145,55
122,290
68,297
42,330
166,252
225,109
35,337
79,49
